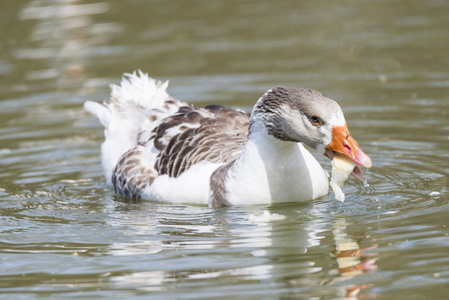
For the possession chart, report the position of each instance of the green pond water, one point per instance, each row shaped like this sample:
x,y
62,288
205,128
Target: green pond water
x,y
64,234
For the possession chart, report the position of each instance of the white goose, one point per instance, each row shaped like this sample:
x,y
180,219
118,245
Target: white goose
x,y
159,148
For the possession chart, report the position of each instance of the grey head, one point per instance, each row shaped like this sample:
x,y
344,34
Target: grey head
x,y
297,115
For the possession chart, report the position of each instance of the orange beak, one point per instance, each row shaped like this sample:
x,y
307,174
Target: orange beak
x,y
343,143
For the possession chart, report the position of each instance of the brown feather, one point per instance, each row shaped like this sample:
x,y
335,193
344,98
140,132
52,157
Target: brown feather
x,y
216,134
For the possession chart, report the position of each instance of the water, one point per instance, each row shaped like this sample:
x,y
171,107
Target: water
x,y
64,234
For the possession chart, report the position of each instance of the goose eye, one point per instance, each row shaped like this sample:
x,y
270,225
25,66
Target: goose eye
x,y
315,120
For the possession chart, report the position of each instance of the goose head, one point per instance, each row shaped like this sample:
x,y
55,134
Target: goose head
x,y
309,117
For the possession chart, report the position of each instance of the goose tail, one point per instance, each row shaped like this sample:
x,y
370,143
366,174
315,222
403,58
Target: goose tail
x,y
126,115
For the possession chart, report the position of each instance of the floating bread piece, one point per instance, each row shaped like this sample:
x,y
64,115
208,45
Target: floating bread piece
x,y
342,167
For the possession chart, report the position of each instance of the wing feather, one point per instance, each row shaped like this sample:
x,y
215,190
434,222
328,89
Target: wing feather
x,y
215,130
215,133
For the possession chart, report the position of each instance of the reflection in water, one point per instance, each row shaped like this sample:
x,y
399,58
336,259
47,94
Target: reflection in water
x,y
350,257
62,37
260,252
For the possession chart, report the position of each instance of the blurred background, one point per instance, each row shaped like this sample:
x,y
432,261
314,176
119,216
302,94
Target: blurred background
x,y
65,234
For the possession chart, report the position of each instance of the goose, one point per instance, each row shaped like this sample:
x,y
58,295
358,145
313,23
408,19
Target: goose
x,y
162,149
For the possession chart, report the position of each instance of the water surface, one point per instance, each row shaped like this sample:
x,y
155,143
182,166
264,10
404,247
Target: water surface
x,y
64,234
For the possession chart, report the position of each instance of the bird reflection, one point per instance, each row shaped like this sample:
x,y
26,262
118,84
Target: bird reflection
x,y
184,245
351,259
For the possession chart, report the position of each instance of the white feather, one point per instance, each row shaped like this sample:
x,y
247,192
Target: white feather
x,y
125,116
271,170
141,89
192,186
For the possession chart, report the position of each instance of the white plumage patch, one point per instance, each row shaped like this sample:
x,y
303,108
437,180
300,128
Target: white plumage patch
x,y
140,89
337,119
269,170
124,117
192,186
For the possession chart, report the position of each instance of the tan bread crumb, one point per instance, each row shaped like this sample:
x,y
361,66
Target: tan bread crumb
x,y
342,167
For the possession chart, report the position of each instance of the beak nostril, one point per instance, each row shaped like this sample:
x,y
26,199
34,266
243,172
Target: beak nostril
x,y
348,148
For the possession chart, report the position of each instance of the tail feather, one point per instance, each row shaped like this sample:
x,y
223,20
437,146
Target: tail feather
x,y
100,111
141,89
125,115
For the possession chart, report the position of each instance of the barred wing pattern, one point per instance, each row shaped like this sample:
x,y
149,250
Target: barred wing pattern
x,y
215,133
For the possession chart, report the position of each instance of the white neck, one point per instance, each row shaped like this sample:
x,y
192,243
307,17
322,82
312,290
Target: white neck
x,y
270,170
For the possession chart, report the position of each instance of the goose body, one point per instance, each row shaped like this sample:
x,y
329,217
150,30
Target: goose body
x,y
160,148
